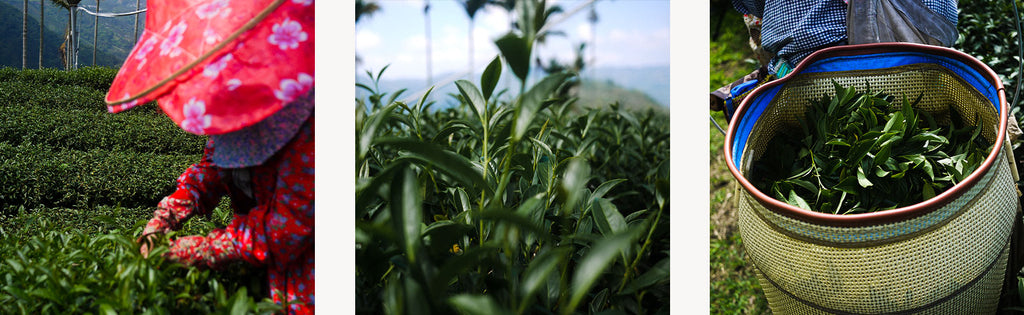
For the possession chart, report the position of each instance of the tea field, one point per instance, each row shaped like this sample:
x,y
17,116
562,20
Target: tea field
x,y
510,203
76,186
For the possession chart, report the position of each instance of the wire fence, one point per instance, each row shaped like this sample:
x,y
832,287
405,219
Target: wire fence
x,y
71,47
75,43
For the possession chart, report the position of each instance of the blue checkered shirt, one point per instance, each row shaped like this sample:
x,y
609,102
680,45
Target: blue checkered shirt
x,y
793,29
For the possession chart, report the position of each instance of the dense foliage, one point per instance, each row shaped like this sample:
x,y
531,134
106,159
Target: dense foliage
x,y
510,206
989,32
860,152
76,185
503,205
62,148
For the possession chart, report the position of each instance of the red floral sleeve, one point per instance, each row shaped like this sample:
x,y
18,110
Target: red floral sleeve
x,y
199,190
201,183
279,229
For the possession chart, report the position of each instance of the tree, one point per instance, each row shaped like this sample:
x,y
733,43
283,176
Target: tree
x,y
364,8
592,18
68,48
95,32
135,38
24,34
426,21
472,6
41,30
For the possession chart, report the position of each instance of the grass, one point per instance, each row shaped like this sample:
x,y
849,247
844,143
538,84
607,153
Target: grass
x,y
733,284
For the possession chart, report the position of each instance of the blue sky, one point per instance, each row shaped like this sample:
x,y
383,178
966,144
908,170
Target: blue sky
x,y
629,34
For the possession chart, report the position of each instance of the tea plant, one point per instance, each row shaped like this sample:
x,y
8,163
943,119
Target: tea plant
x,y
76,185
528,205
856,153
491,207
498,206
50,266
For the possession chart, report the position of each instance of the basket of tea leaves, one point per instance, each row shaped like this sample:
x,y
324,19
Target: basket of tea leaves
x,y
876,178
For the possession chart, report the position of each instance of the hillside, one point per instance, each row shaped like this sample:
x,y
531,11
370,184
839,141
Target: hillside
x,y
637,88
10,30
598,93
114,38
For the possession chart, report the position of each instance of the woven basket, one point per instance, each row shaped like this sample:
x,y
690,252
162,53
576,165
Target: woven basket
x,y
945,255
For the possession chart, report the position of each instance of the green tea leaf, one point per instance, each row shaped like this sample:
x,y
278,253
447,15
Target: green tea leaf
x,y
489,79
862,179
607,217
854,141
472,304
796,200
574,179
530,102
659,273
927,192
239,302
452,164
592,266
476,100
605,187
539,270
406,214
369,131
516,51
517,219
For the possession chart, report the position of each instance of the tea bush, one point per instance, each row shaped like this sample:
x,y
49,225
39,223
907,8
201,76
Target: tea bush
x,y
523,204
52,266
42,175
528,205
93,78
76,186
58,90
84,130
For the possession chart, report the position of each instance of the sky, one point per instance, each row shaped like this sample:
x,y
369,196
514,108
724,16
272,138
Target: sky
x,y
630,33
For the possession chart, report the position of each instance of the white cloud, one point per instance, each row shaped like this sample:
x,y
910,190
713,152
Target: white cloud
x,y
584,31
633,47
492,20
415,42
418,4
366,39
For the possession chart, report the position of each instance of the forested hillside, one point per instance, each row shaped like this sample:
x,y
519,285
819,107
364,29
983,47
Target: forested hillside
x,y
115,35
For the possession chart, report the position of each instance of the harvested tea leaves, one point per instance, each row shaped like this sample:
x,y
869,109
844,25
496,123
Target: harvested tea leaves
x,y
856,153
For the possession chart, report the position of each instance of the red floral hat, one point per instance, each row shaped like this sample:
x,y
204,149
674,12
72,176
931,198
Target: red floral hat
x,y
216,66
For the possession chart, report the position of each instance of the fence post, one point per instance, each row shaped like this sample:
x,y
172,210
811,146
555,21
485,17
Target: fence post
x,y
135,39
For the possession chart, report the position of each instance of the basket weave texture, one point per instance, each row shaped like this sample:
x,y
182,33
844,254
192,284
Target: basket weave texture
x,y
947,260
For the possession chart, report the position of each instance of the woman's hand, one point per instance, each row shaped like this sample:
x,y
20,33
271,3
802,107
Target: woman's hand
x,y
168,217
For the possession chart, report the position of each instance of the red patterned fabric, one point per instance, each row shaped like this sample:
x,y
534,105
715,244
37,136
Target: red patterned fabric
x,y
205,81
277,233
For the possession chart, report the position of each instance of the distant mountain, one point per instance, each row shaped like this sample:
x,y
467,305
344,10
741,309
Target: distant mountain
x,y
648,86
653,81
10,31
115,38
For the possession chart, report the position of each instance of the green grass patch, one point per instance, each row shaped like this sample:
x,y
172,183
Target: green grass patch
x,y
733,285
